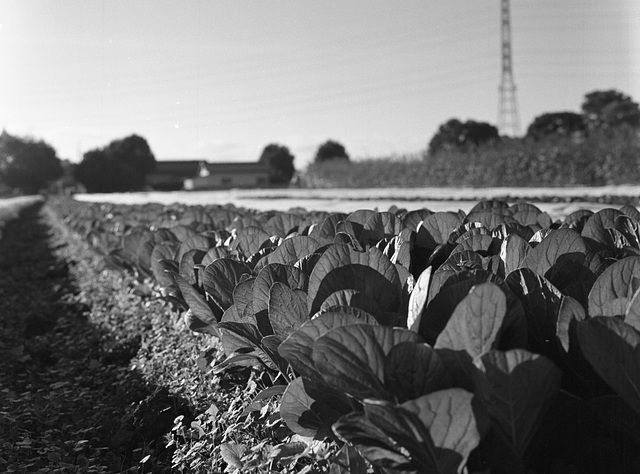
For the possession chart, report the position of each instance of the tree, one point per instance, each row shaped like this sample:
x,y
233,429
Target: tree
x,y
331,150
280,162
556,124
27,165
610,108
458,135
120,166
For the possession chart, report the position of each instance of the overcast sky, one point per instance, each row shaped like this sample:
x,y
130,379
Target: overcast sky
x,y
219,80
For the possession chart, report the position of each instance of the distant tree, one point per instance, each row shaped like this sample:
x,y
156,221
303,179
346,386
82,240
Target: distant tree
x,y
331,150
455,134
27,165
610,108
280,162
556,124
135,151
120,166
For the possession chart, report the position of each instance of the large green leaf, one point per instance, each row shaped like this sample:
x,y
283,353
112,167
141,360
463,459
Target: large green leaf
x,y
513,251
298,346
631,211
595,229
282,224
542,304
480,243
348,461
612,347
220,278
360,216
351,358
268,275
530,216
615,287
516,388
418,300
363,316
326,230
439,310
440,225
466,230
162,251
414,369
287,309
453,422
187,265
133,240
476,322
632,314
249,240
432,434
239,337
352,298
202,318
463,258
341,268
412,218
379,448
243,294
503,231
497,206
570,311
558,243
384,224
577,219
269,354
194,241
310,407
630,228
214,253
490,219
290,251
240,222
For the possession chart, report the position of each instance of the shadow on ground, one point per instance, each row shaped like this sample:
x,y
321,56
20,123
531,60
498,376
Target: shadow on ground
x,y
68,397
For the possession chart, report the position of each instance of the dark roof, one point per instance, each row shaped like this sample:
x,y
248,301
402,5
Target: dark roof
x,y
183,168
237,168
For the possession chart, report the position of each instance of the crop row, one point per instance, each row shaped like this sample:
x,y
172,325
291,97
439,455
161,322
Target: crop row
x,y
490,341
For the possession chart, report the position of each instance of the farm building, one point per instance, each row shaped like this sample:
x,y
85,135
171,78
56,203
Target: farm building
x,y
201,175
229,175
170,175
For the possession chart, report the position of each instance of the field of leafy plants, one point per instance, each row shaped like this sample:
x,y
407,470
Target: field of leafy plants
x,y
604,157
493,341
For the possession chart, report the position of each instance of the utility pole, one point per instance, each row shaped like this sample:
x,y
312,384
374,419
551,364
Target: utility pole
x,y
508,120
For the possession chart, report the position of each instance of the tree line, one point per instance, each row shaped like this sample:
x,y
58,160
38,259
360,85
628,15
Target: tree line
x,y
29,166
601,110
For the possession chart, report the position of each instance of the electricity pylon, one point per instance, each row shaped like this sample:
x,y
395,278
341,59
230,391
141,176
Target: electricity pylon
x,y
508,120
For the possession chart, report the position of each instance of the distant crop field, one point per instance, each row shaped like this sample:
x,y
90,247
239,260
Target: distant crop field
x,y
558,202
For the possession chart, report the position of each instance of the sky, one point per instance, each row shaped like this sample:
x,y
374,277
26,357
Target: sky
x,y
221,79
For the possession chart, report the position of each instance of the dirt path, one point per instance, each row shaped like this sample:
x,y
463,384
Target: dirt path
x,y
69,399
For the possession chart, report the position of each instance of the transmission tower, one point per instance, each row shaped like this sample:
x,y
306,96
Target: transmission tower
x,y
508,120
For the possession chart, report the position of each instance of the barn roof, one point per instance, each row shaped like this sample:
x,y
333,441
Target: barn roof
x,y
177,168
237,168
